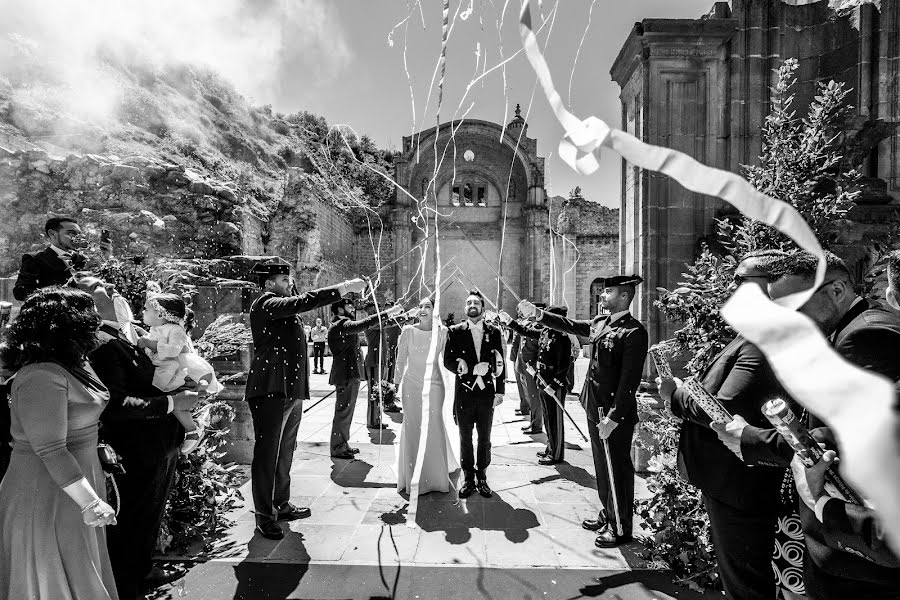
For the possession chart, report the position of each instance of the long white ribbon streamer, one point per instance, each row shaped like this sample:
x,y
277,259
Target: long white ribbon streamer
x,y
855,403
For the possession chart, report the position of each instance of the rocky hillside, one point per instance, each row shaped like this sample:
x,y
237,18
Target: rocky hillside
x,y
177,165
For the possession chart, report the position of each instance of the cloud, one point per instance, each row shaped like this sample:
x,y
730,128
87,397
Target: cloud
x,y
256,44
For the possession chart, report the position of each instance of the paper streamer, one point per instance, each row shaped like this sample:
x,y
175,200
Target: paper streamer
x,y
445,33
855,403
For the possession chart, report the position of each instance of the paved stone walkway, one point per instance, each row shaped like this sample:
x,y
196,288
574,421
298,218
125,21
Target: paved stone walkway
x,y
359,534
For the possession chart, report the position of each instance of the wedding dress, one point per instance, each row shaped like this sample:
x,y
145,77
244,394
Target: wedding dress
x,y
438,460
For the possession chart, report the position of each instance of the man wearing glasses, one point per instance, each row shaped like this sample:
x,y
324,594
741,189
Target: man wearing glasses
x,y
842,560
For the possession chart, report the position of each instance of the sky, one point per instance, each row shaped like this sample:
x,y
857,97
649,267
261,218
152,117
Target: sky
x,y
366,86
369,64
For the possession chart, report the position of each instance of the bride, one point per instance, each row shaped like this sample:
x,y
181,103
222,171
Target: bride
x,y
438,460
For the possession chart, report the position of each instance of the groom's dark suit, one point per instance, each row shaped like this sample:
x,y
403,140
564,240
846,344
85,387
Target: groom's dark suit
x,y
473,406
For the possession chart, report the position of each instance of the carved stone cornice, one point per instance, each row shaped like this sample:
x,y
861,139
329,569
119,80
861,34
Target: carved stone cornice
x,y
685,51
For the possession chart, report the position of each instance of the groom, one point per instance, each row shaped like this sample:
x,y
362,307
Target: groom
x,y
474,351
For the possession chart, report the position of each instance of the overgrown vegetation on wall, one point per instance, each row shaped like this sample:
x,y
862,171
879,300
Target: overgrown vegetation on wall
x,y
175,140
803,164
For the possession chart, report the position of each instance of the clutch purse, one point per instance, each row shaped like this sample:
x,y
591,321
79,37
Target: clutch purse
x,y
110,460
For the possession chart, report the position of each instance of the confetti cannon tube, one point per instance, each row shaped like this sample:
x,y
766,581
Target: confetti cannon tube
x,y
659,353
709,403
794,433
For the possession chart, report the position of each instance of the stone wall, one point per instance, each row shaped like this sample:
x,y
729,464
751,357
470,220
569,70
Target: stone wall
x,y
592,251
151,208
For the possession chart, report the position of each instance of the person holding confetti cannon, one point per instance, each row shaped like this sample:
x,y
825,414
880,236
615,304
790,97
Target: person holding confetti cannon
x,y
846,554
742,502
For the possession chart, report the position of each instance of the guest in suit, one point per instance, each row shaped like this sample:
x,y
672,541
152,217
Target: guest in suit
x,y
867,336
347,369
54,265
618,351
474,351
742,502
553,359
277,385
138,423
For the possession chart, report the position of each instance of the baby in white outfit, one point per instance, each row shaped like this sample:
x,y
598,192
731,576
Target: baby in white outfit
x,y
172,352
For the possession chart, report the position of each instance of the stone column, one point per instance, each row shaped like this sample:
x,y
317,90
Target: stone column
x,y
674,81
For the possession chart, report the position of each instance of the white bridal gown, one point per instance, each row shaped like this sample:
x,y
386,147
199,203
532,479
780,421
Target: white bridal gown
x,y
438,461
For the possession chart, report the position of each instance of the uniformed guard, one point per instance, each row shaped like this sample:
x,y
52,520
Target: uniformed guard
x,y
551,368
525,363
618,351
277,384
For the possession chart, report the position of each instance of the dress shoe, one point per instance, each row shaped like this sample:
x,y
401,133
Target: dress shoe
x,y
547,460
522,413
543,453
530,431
346,455
467,489
392,408
608,539
291,512
354,450
160,575
270,530
594,525
483,488
381,426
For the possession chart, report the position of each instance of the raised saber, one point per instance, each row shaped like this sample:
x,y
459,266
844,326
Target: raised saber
x,y
612,480
488,263
402,256
548,390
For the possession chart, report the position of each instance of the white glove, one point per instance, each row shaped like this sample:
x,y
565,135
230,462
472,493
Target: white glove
x,y
527,309
505,318
498,400
395,311
481,369
461,367
352,286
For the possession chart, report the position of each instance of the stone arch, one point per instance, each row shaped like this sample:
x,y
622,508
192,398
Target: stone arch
x,y
424,143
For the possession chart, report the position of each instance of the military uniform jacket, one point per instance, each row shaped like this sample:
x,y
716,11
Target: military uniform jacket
x,y
460,344
527,350
617,355
554,352
343,341
280,366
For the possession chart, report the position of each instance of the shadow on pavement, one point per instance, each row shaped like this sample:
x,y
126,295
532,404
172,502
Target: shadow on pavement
x,y
382,437
254,579
353,473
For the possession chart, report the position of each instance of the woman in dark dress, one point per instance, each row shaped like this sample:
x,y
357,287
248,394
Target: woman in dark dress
x,y
53,506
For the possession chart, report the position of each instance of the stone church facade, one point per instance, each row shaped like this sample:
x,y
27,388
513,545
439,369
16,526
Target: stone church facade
x,y
702,86
495,222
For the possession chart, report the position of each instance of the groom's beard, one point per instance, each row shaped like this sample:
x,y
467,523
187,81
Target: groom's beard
x,y
473,313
